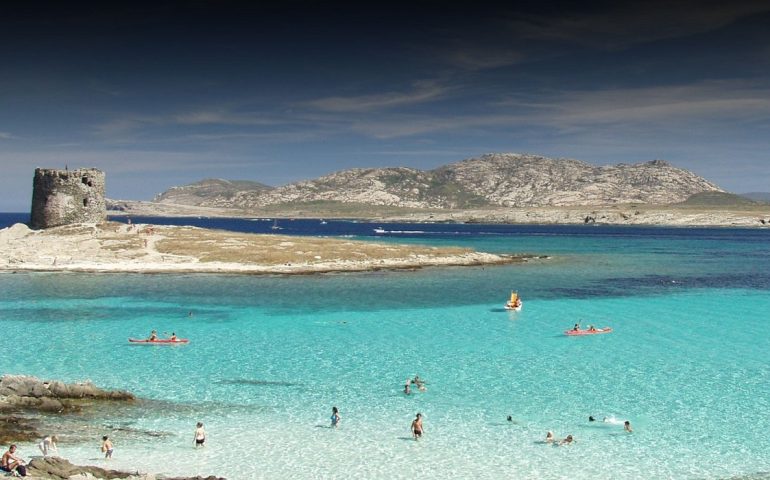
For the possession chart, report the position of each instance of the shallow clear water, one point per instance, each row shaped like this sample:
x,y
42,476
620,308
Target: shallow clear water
x,y
269,356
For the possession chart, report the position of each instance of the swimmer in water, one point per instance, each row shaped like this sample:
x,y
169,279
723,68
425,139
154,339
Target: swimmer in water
x,y
549,437
627,427
567,441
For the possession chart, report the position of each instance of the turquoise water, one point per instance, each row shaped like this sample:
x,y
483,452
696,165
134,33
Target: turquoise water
x,y
269,357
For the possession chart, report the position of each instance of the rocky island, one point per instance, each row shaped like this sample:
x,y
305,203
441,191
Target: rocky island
x,y
493,188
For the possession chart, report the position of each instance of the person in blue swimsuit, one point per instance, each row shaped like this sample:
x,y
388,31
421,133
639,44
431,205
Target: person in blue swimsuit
x,y
335,417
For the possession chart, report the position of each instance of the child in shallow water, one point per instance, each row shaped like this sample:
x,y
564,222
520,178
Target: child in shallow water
x,y
107,447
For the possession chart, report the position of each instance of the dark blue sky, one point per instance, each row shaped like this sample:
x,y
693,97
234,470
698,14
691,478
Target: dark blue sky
x,y
173,92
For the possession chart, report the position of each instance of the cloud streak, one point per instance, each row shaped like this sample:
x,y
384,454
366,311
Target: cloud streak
x,y
421,93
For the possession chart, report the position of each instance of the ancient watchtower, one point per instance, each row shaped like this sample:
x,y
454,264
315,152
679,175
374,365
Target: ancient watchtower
x,y
62,197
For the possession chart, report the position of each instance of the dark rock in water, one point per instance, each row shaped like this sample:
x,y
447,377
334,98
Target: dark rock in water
x,y
57,468
52,396
19,393
17,429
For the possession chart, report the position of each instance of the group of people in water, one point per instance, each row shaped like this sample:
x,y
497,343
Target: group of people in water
x,y
14,465
416,381
569,439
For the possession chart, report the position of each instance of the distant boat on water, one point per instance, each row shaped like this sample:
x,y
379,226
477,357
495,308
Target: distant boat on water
x,y
276,226
514,303
380,231
323,222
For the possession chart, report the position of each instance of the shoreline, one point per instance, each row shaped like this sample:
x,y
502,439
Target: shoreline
x,y
148,249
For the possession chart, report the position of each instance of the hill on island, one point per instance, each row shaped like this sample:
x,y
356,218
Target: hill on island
x,y
493,180
757,196
718,199
209,190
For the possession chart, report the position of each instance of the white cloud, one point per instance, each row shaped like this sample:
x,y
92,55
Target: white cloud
x,y
422,92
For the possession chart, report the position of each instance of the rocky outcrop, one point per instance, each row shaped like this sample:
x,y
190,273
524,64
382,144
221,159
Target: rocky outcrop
x,y
56,468
494,180
52,395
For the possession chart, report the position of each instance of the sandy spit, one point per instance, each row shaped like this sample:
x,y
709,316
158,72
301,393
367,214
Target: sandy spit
x,y
119,248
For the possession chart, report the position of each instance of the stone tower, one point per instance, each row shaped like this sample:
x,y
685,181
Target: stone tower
x,y
62,197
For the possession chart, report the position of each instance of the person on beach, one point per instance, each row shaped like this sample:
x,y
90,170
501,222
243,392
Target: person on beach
x,y
13,464
200,435
107,447
48,444
153,336
549,437
627,426
417,428
567,441
335,417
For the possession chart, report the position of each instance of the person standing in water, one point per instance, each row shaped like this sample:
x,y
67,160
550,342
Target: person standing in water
x,y
107,447
48,444
627,426
200,435
417,428
335,417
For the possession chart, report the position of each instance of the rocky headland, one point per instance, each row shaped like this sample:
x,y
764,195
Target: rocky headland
x,y
121,248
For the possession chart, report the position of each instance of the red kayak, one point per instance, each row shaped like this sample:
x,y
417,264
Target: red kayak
x,y
588,332
159,341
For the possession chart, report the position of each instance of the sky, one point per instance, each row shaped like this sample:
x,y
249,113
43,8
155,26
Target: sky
x,y
167,93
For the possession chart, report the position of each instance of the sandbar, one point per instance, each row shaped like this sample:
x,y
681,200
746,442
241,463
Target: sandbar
x,y
113,247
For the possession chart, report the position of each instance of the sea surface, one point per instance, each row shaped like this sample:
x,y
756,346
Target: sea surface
x,y
687,361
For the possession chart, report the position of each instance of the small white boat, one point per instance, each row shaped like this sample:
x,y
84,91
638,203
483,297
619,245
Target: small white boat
x,y
380,231
514,303
323,222
276,226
